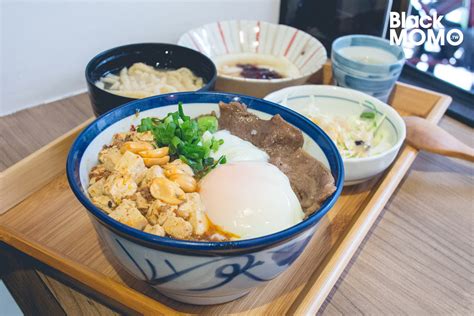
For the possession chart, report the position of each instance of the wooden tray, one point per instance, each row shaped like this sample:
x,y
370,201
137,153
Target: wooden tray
x,y
45,221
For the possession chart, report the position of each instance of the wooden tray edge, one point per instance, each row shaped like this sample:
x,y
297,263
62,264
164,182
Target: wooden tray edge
x,y
337,260
13,189
108,286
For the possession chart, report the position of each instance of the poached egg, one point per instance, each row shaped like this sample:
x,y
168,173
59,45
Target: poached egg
x,y
250,199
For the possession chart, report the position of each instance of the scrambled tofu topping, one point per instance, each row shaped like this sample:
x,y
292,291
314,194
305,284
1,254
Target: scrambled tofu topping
x,y
136,184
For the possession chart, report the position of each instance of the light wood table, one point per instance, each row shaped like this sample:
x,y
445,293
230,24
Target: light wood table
x,y
417,259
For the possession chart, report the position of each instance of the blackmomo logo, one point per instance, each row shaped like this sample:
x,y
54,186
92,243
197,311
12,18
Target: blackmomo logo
x,y
418,30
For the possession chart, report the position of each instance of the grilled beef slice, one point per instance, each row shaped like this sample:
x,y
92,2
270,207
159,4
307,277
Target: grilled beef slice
x,y
310,179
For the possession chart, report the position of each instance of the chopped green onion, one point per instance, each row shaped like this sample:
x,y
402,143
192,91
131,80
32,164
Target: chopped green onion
x,y
367,115
183,136
207,123
145,125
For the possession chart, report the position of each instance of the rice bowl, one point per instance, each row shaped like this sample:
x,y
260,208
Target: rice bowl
x,y
138,251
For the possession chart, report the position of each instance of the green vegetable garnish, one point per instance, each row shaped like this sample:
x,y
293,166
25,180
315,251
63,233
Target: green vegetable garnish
x,y
183,136
145,125
207,123
367,115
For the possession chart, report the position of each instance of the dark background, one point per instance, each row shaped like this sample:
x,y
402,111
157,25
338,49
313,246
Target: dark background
x,y
445,69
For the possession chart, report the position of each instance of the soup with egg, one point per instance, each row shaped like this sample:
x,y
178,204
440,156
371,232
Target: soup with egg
x,y
209,178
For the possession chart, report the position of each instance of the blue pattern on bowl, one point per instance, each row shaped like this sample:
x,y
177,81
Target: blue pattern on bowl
x,y
224,271
202,272
362,84
366,75
222,276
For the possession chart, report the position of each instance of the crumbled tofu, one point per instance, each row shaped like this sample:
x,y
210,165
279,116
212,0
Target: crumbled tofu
x,y
184,209
128,214
155,230
118,186
177,227
197,213
110,157
150,174
158,212
97,188
145,192
167,211
142,203
120,137
131,164
97,173
104,203
143,137
127,203
153,212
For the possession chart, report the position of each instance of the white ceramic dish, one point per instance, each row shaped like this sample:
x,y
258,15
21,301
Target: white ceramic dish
x,y
331,100
220,40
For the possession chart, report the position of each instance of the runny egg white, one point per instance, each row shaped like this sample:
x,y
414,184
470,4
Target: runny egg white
x,y
250,199
236,149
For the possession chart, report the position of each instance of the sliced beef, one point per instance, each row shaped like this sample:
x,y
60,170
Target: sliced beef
x,y
265,134
309,178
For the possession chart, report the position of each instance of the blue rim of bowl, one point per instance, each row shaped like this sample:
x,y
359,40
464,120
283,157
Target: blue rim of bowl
x,y
100,57
196,247
361,65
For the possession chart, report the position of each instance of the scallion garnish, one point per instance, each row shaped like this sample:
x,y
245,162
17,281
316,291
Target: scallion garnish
x,y
183,136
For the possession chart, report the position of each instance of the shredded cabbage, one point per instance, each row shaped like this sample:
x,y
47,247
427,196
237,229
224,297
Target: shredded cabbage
x,y
355,136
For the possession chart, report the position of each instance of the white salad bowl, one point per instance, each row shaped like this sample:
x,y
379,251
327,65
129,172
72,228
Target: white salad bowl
x,y
257,38
343,102
192,271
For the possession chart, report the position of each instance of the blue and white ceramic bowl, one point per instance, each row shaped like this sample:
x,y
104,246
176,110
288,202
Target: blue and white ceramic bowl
x,y
189,271
367,63
342,102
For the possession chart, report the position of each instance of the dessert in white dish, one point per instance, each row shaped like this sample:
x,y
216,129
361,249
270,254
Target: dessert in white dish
x,y
271,56
255,66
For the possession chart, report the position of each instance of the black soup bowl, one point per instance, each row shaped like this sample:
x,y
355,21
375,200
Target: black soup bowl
x,y
159,55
